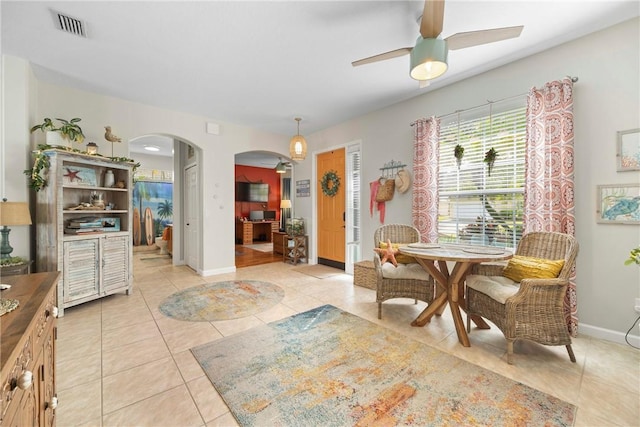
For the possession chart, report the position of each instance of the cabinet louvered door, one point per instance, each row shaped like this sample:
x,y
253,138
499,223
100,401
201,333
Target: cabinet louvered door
x,y
81,274
115,261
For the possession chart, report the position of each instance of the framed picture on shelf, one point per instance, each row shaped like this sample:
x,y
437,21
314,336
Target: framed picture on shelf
x,y
110,224
619,204
628,153
78,175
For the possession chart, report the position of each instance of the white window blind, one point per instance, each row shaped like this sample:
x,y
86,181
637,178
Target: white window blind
x,y
477,207
353,206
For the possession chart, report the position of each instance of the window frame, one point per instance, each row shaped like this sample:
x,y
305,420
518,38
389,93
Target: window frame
x,y
504,187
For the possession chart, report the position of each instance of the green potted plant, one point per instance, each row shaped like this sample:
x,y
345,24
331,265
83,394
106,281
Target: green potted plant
x,y
634,257
458,153
490,158
68,129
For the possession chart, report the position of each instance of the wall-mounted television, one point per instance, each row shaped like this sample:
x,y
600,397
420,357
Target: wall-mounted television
x,y
252,192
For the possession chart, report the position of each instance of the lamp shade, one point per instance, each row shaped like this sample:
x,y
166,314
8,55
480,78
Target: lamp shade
x,y
298,145
14,213
428,59
285,204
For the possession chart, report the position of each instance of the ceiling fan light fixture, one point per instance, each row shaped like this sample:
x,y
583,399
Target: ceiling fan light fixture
x,y
281,168
298,145
428,59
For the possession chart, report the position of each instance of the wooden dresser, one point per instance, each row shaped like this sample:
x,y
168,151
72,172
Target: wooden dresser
x,y
27,352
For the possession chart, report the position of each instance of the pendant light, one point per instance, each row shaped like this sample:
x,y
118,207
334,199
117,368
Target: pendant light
x,y
298,145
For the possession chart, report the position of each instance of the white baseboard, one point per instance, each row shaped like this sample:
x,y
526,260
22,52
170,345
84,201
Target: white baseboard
x,y
217,271
609,335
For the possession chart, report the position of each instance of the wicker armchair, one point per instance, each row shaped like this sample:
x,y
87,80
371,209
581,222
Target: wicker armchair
x,y
398,287
535,311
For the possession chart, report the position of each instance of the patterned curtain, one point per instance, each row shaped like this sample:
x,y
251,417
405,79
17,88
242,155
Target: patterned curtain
x,y
424,208
549,171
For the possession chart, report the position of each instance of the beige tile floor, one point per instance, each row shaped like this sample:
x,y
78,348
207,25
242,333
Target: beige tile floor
x,y
121,362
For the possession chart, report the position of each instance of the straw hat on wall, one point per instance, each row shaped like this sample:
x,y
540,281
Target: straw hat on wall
x,y
403,181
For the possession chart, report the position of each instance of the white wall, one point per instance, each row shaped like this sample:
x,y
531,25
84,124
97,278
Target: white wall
x,y
607,99
17,97
130,120
149,161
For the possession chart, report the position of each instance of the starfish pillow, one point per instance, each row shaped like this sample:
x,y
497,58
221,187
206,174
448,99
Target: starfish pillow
x,y
388,253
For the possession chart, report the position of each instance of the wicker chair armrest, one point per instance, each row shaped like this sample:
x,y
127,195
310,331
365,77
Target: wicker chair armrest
x,y
544,289
489,268
377,264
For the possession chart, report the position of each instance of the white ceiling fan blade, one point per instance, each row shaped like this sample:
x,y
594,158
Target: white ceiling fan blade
x,y
383,56
432,17
475,38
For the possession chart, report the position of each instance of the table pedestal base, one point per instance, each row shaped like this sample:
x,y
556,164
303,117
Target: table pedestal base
x,y
450,291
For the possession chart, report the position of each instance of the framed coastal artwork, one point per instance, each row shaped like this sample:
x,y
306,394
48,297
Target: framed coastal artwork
x,y
628,154
78,175
619,204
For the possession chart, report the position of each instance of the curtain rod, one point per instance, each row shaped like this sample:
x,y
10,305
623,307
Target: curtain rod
x,y
573,79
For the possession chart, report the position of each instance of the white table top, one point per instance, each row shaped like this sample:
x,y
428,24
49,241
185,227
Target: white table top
x,y
456,252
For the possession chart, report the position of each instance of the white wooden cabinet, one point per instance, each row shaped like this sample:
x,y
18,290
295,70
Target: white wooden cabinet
x,y
94,264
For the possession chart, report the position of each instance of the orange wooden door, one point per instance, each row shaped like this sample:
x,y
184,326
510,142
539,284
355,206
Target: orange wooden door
x,y
331,211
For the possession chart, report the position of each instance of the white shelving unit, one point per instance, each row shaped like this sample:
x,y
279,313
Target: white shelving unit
x,y
95,264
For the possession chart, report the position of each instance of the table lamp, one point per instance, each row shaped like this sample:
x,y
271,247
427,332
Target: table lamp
x,y
11,213
284,204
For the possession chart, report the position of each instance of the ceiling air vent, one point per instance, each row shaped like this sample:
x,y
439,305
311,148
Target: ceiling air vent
x,y
68,24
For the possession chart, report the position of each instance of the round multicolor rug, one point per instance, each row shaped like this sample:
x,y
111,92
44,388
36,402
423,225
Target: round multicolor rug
x,y
222,300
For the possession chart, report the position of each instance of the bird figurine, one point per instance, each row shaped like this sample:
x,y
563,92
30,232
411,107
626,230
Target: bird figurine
x,y
109,136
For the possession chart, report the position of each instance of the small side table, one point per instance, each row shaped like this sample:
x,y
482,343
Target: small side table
x,y
296,249
13,270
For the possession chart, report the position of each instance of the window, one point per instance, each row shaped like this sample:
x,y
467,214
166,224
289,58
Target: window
x,y
353,207
476,207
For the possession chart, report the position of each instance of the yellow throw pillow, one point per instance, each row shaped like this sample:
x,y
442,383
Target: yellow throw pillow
x,y
523,267
401,258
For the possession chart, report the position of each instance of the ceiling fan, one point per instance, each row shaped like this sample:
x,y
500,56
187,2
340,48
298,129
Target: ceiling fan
x,y
281,167
429,55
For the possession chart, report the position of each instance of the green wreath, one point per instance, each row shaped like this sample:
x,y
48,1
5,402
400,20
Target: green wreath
x,y
330,183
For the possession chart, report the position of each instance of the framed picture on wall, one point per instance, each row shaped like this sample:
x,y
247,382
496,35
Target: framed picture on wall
x,y
619,204
303,188
628,153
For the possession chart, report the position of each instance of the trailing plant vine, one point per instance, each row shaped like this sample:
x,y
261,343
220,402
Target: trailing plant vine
x,y
41,162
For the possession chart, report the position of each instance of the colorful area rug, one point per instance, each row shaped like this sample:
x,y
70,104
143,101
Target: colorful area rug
x,y
326,367
222,300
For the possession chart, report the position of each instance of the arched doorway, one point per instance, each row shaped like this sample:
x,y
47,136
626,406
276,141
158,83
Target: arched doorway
x,y
164,160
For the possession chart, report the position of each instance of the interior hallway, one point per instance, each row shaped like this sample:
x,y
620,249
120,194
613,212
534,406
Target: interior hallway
x,y
121,362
